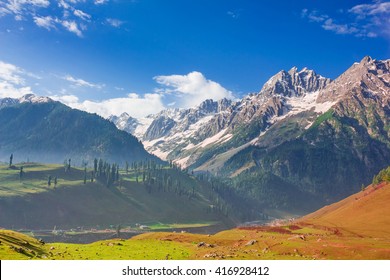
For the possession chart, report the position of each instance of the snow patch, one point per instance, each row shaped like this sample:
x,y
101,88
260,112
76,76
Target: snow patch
x,y
212,139
182,162
309,125
143,126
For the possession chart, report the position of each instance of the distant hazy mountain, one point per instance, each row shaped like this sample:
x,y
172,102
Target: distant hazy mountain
x,y
40,129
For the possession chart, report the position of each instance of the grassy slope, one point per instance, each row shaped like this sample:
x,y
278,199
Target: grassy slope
x,y
360,213
32,204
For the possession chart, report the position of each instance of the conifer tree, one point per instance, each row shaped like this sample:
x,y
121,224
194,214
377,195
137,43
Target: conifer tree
x,y
21,173
95,165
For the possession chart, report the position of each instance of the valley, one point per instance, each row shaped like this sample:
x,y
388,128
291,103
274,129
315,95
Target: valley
x,y
158,198
336,232
284,173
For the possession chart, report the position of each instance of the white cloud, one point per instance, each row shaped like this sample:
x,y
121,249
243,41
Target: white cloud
x,y
339,28
313,16
12,81
57,14
72,26
233,15
63,4
10,90
133,104
371,9
17,6
364,20
45,22
100,2
179,90
81,83
11,73
114,22
82,15
192,89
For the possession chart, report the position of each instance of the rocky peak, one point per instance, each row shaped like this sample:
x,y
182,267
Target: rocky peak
x,y
160,127
366,59
294,83
124,122
369,76
7,101
224,104
28,98
31,98
124,115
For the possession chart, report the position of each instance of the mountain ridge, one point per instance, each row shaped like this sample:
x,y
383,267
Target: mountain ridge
x,y
41,129
300,130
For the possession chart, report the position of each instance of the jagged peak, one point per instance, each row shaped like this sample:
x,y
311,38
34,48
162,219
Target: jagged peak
x,y
32,98
293,70
294,83
366,59
305,69
124,115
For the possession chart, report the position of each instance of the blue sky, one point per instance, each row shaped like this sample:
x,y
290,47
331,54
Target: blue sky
x,y
140,56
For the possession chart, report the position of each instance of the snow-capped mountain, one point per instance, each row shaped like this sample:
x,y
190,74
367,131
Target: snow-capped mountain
x,y
164,131
125,122
182,134
298,128
28,98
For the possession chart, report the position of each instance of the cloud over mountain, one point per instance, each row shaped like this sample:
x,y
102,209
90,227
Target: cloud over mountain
x,y
191,89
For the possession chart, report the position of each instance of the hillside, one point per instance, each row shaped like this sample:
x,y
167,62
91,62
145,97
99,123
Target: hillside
x,y
365,213
30,203
42,130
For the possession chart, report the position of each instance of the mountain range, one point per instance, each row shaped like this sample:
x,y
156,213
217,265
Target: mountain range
x,y
301,135
301,138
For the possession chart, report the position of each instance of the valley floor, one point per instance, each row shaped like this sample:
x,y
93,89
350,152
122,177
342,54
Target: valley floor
x,y
300,241
356,228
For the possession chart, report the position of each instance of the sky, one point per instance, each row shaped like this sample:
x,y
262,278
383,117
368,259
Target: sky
x,y
142,56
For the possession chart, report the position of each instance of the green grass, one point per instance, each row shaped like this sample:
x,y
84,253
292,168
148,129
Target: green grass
x,y
119,249
35,178
30,204
322,118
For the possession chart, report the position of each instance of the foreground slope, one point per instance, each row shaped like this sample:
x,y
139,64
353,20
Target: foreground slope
x,y
365,213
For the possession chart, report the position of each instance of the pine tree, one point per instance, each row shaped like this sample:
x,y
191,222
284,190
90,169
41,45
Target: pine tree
x,y
21,173
95,165
85,175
